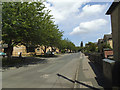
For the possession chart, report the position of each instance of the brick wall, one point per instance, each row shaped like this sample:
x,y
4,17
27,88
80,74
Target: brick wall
x,y
108,53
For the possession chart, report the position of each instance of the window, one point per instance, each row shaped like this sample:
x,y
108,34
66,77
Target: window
x,y
38,49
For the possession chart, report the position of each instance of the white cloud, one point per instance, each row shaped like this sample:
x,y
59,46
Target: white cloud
x,y
65,9
90,18
62,9
86,27
89,10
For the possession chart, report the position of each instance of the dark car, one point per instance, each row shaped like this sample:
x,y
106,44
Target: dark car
x,y
50,53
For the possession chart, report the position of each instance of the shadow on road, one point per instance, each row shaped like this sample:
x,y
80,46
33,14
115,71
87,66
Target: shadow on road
x,y
59,75
100,77
21,62
81,83
47,56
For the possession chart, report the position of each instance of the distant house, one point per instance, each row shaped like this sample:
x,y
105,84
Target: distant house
x,y
108,40
3,46
27,51
114,11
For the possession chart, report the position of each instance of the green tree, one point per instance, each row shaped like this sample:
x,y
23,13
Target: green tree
x,y
66,44
51,35
62,45
90,47
28,24
81,45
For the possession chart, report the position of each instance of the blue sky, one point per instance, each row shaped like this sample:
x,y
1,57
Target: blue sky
x,y
81,20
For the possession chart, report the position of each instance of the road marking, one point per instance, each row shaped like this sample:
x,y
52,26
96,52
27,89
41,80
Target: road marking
x,y
45,76
86,83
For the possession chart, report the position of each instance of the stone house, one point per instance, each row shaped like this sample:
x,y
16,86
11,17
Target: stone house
x,y
111,68
114,11
28,51
108,40
31,50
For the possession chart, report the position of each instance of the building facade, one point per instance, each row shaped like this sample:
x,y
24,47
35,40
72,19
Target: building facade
x,y
108,40
29,51
111,68
114,11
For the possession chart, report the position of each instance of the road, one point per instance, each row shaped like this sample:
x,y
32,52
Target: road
x,y
43,75
60,72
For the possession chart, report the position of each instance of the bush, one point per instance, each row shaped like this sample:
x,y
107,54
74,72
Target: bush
x,y
62,51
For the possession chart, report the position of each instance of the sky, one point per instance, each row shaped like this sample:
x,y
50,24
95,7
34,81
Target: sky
x,y
81,20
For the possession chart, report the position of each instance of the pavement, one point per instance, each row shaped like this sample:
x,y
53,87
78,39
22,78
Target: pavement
x,y
67,71
88,75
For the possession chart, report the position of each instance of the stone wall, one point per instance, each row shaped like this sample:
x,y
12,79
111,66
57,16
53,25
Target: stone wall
x,y
96,58
111,71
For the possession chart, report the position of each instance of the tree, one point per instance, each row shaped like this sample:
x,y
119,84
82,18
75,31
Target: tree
x,y
90,47
62,45
66,44
51,35
81,45
22,24
28,24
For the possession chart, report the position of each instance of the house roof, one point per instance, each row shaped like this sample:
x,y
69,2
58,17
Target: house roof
x,y
108,36
112,7
100,41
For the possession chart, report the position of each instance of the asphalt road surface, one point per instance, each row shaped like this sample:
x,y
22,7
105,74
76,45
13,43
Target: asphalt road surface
x,y
59,72
53,73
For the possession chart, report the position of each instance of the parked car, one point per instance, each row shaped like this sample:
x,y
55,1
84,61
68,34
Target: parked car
x,y
50,53
2,54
